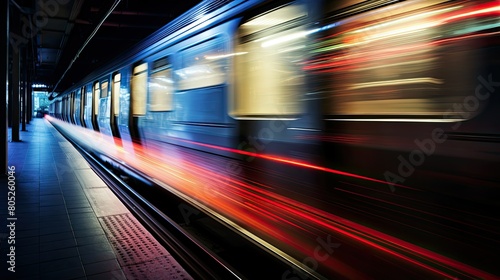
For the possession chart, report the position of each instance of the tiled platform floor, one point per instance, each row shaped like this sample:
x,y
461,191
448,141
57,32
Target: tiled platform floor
x,y
61,209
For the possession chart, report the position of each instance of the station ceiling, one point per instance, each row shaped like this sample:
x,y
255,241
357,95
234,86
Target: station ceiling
x,y
54,31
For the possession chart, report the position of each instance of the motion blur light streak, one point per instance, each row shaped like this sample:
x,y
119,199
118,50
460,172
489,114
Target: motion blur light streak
x,y
293,162
467,213
410,208
224,55
486,9
408,19
466,37
397,82
270,216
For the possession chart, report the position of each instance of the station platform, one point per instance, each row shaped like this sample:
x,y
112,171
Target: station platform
x,y
58,219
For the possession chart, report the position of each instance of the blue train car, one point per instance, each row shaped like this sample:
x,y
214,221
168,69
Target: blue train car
x,y
380,117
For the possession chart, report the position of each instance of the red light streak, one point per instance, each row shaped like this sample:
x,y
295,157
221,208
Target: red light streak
x,y
293,162
483,10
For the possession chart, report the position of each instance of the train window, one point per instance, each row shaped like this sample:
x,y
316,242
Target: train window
x,y
268,59
202,65
395,61
104,89
115,90
139,89
96,94
161,86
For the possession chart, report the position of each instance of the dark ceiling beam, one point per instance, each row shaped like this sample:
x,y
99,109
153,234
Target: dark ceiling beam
x,y
75,10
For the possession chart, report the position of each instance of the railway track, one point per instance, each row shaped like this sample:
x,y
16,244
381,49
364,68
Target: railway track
x,y
203,245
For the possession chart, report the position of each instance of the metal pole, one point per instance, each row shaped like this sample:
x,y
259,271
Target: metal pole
x,y
24,87
4,81
9,86
30,98
15,81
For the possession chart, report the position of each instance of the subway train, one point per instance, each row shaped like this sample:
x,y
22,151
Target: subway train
x,y
355,139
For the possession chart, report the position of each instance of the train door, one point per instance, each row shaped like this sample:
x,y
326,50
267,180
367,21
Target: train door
x,y
115,104
78,111
159,116
83,106
104,109
72,107
66,108
58,112
51,109
96,92
138,93
124,107
63,108
88,114
275,112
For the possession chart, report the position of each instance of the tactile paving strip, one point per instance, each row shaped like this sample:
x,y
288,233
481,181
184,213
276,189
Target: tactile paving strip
x,y
139,254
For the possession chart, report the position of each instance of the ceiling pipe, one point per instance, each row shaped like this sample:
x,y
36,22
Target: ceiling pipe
x,y
75,10
52,95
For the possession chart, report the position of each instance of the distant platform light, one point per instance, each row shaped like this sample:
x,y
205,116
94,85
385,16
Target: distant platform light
x,y
39,86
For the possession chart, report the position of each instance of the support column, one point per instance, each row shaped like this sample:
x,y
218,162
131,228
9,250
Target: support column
x,y
24,87
15,97
4,80
15,51
15,83
9,87
30,98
